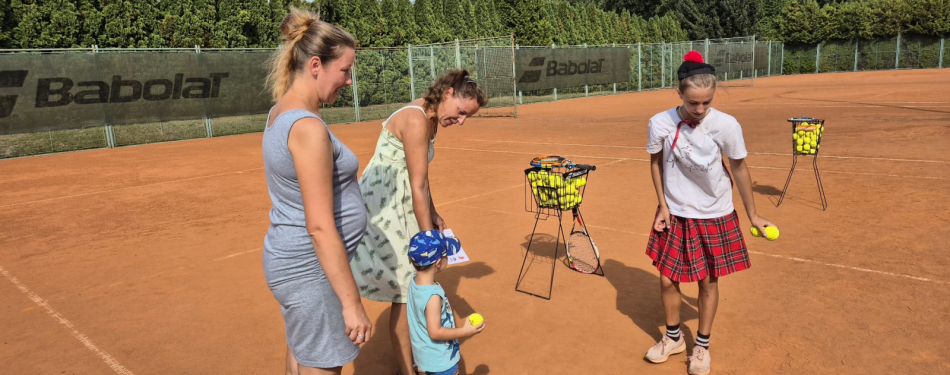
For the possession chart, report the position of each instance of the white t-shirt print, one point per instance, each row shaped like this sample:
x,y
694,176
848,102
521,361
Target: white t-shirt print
x,y
695,183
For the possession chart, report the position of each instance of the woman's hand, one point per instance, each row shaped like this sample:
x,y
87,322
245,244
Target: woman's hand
x,y
358,326
437,221
662,221
760,222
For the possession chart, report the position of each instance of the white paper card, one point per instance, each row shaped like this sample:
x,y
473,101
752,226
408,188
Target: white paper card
x,y
459,257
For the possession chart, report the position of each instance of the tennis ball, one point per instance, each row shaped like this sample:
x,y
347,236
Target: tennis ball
x,y
801,133
755,232
476,319
806,146
581,181
798,148
812,151
534,190
804,124
800,141
771,233
794,136
813,144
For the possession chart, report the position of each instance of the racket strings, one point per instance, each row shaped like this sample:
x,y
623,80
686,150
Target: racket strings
x,y
583,257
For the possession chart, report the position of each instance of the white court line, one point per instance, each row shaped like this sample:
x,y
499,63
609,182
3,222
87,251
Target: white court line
x,y
105,357
761,253
238,254
626,159
753,153
861,173
849,267
128,187
556,144
480,195
536,154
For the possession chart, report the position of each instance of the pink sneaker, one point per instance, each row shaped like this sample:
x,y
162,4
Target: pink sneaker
x,y
666,347
699,361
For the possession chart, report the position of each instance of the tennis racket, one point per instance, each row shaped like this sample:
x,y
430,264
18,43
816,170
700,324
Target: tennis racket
x,y
582,253
551,161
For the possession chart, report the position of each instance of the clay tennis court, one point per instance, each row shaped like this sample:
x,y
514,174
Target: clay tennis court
x,y
147,259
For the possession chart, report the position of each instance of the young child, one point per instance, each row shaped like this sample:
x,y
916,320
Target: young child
x,y
696,235
434,338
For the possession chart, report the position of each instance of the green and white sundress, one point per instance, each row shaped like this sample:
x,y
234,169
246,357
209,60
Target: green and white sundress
x,y
381,264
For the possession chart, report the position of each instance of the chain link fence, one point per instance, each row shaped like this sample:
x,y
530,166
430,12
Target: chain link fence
x,y
901,52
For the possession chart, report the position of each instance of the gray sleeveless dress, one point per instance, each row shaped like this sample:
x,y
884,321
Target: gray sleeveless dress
x,y
313,314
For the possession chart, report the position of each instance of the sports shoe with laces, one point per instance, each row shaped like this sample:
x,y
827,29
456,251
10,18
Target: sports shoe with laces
x,y
666,347
699,361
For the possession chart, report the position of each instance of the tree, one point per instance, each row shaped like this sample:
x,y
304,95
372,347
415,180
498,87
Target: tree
x,y
799,21
738,17
431,27
485,20
402,25
46,24
6,24
527,20
246,23
458,19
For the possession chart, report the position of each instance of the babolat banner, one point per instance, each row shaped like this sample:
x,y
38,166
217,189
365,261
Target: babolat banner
x,y
546,68
64,91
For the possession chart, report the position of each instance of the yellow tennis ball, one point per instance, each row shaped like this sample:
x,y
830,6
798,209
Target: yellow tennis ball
x,y
813,143
794,136
798,148
771,233
534,190
476,319
812,151
804,124
806,146
801,133
755,232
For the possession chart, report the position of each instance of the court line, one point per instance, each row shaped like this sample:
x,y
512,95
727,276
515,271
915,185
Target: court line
x,y
129,187
796,259
480,195
753,153
105,357
849,267
755,167
238,254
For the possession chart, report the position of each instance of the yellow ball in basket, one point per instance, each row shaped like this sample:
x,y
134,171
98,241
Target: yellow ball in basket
x,y
799,148
794,135
801,133
581,181
812,151
534,190
806,147
813,144
800,141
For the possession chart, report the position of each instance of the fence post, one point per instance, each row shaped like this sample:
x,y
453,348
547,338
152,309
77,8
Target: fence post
x,y
817,56
209,129
662,64
639,66
782,61
940,59
555,89
458,55
769,61
412,77
753,60
706,49
109,134
856,41
520,99
585,85
432,62
514,72
615,83
897,54
356,98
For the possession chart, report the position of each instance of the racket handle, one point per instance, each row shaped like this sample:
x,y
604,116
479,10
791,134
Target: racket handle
x,y
587,167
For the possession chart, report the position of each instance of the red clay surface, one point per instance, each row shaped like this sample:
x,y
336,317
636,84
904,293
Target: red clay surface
x,y
148,258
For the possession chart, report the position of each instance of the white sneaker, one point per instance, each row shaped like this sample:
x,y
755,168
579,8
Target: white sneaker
x,y
699,361
666,347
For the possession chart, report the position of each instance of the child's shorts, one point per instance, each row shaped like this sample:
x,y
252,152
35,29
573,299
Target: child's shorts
x,y
452,371
693,249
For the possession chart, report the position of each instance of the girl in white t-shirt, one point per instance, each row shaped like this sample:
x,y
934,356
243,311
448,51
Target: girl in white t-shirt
x,y
696,234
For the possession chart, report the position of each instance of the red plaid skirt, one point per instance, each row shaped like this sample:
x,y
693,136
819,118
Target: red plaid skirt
x,y
692,249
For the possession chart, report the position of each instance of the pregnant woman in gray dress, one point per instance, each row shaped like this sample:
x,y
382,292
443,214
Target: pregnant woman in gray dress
x,y
318,217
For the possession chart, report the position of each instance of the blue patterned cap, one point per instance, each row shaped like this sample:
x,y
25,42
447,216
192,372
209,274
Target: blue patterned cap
x,y
425,248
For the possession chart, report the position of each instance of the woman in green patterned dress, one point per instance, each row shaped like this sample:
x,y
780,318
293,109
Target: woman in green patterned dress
x,y
395,187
